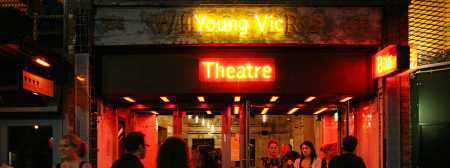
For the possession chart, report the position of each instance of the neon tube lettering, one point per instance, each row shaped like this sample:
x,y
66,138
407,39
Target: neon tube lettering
x,y
215,70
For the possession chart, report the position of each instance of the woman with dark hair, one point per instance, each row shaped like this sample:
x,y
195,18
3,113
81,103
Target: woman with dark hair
x,y
308,156
71,149
173,153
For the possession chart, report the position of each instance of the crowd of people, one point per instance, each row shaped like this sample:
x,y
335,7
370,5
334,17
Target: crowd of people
x,y
174,153
308,157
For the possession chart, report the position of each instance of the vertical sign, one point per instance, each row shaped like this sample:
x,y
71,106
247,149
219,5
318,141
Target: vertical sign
x,y
391,59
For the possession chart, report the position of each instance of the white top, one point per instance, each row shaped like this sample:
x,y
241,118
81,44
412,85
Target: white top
x,y
316,163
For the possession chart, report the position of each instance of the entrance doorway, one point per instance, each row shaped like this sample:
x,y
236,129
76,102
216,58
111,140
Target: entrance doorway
x,y
29,143
237,133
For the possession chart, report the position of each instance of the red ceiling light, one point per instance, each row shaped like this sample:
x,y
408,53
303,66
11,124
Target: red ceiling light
x,y
237,99
201,98
129,99
300,105
321,110
140,106
293,110
345,99
236,109
42,62
273,99
203,106
264,111
309,99
164,99
169,106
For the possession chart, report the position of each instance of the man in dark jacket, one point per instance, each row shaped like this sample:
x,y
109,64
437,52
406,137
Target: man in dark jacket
x,y
135,149
348,159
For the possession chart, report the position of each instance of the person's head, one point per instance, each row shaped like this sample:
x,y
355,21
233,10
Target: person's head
x,y
349,143
328,150
173,153
71,147
273,148
285,148
307,150
134,143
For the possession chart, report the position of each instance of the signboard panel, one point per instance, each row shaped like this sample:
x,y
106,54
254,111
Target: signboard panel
x,y
178,70
390,59
37,84
238,25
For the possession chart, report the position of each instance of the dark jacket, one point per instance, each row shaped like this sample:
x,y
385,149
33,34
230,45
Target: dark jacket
x,y
347,160
128,161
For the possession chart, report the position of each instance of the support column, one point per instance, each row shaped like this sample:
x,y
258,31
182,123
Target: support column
x,y
244,116
392,120
148,124
177,117
226,138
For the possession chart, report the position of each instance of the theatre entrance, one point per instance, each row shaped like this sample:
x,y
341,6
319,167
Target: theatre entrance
x,y
234,130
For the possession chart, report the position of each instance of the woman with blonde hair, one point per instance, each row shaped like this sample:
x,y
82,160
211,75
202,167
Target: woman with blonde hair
x,y
71,149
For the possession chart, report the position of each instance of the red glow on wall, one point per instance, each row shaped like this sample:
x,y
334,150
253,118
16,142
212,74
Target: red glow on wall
x,y
236,69
330,129
148,124
368,132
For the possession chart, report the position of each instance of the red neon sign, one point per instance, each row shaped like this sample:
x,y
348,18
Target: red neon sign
x,y
236,69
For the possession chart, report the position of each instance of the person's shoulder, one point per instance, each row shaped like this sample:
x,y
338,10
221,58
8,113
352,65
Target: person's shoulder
x,y
86,165
361,161
335,159
317,163
125,162
356,157
121,162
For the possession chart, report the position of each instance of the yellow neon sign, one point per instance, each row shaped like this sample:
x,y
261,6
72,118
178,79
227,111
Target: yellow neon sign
x,y
386,63
228,24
